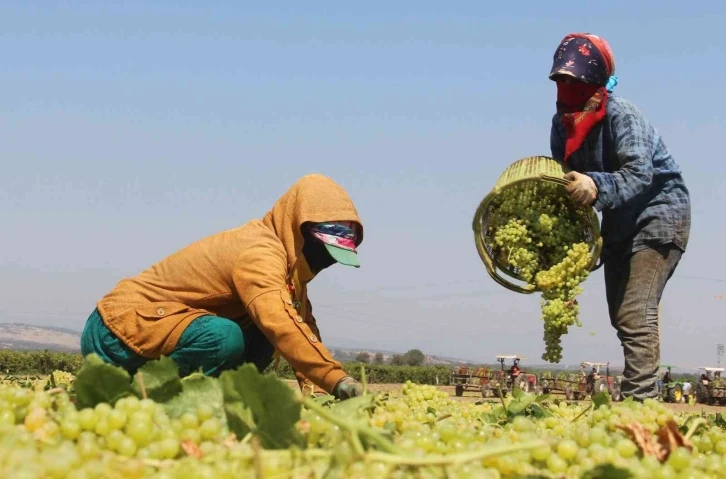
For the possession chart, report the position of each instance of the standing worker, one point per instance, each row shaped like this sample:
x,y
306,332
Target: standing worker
x,y
239,295
622,167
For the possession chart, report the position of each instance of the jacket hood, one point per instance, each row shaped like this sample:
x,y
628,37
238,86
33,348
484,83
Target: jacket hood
x,y
314,198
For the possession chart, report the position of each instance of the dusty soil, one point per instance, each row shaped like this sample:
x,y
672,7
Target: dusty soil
x,y
473,396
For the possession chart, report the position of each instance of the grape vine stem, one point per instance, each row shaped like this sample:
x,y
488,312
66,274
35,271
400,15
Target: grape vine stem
x,y
361,430
698,422
439,460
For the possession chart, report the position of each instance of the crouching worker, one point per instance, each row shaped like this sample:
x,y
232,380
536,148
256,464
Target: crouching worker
x,y
239,295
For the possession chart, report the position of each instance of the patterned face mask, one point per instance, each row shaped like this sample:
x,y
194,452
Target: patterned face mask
x,y
339,239
335,234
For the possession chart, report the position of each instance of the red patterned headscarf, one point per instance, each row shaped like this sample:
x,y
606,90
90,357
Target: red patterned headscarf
x,y
589,61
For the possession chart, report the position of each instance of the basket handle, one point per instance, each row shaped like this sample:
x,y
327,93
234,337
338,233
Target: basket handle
x,y
555,179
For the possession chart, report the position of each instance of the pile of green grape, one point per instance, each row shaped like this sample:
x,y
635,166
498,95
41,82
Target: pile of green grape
x,y
43,435
536,231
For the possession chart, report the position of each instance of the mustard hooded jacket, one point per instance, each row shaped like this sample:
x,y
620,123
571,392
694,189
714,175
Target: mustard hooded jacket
x,y
253,273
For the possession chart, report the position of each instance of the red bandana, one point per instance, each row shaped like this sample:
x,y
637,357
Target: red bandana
x,y
582,106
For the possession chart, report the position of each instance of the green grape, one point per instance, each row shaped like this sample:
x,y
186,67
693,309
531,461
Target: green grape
x,y
567,449
87,419
556,464
169,448
204,412
138,428
209,429
116,419
680,459
189,421
127,446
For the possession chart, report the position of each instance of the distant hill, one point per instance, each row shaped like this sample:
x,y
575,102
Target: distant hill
x,y
349,354
26,337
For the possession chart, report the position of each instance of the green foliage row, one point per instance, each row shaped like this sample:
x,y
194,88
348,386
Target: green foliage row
x,y
38,362
43,362
382,373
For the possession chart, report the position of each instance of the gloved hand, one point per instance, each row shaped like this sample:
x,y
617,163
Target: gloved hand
x,y
347,388
582,188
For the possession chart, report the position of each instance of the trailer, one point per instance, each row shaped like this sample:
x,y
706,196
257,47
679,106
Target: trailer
x,y
576,386
465,378
504,380
711,387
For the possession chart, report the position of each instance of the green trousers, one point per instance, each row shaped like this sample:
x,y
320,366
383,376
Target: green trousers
x,y
209,344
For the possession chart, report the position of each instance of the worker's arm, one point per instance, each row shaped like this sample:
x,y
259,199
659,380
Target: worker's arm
x,y
633,142
260,278
306,385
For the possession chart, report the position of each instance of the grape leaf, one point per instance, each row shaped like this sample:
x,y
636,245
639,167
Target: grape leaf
x,y
667,439
670,438
239,419
324,400
521,401
261,404
539,412
160,379
191,449
607,471
354,407
720,420
197,389
98,382
601,398
629,403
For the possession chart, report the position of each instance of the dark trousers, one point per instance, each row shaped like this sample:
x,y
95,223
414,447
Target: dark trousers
x,y
634,285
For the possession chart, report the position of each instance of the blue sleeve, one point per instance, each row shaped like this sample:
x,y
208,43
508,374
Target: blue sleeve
x,y
557,143
633,140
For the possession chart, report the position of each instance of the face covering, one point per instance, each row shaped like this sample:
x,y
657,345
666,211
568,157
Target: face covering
x,y
573,96
315,252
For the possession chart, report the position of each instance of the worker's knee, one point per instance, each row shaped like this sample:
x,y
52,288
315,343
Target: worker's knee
x,y
232,343
210,344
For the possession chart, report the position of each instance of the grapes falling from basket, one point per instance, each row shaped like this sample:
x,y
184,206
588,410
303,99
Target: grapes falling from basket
x,y
529,229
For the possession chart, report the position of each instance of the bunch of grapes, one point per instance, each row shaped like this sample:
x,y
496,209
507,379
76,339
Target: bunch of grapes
x,y
536,232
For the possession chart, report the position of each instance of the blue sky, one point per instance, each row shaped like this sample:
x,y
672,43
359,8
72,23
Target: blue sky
x,y
132,130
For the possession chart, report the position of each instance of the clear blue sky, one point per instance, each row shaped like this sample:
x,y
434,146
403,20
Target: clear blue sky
x,y
130,131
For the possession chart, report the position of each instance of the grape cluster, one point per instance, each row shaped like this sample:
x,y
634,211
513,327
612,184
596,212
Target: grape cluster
x,y
536,232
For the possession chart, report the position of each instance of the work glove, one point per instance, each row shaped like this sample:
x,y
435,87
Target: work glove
x,y
347,388
582,188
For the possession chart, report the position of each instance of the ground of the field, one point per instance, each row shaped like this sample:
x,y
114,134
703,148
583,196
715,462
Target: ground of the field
x,y
473,396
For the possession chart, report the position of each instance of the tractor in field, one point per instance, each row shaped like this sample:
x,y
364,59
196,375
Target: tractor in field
x,y
592,383
466,378
506,380
670,390
711,387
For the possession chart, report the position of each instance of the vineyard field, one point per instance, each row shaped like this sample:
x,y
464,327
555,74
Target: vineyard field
x,y
103,423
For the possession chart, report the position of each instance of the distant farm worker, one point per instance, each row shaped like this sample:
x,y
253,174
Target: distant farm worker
x,y
514,370
622,167
237,296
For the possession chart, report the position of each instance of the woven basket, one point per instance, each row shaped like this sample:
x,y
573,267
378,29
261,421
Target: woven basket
x,y
535,168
